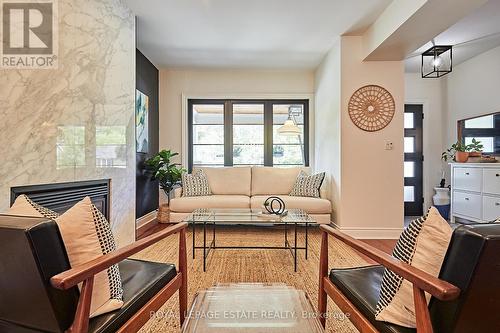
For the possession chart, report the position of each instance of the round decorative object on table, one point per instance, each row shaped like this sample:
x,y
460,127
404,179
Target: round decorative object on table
x,y
274,205
371,108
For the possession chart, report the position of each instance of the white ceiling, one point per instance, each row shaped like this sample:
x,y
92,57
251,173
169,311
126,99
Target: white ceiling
x,y
476,33
247,33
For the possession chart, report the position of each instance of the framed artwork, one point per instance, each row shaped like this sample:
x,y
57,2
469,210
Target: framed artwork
x,y
141,122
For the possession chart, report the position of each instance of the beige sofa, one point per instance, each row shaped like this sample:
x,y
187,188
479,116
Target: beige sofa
x,y
249,187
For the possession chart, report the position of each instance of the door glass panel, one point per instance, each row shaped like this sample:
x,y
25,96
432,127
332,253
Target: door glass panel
x,y
409,193
248,134
409,169
409,144
409,117
208,134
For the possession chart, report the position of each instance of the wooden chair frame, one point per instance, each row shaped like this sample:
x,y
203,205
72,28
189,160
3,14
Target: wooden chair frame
x,y
85,273
422,282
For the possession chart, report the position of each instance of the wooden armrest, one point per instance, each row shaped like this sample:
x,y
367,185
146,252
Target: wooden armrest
x,y
438,288
75,275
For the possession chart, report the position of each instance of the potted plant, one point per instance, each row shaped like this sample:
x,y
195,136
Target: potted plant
x,y
168,174
475,148
460,152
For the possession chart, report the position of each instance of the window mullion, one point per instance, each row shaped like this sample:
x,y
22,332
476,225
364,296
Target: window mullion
x,y
228,133
268,134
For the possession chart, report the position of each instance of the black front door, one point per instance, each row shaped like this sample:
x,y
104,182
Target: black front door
x,y
413,162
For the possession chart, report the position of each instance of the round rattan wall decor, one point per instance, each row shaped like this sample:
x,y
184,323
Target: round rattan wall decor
x,y
371,108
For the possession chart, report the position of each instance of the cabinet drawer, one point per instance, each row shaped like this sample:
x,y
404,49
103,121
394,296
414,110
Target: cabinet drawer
x,y
468,179
467,204
491,181
491,208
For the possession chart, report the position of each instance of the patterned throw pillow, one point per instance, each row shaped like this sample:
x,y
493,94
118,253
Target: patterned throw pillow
x,y
423,244
196,184
87,235
26,207
308,186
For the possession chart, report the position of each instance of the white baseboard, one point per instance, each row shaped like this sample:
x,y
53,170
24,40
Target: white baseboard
x,y
148,218
371,233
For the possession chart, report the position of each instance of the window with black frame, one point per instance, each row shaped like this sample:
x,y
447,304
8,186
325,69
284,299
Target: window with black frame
x,y
485,129
248,132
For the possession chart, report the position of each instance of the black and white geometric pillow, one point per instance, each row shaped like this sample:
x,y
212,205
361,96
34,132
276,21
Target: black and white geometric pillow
x,y
404,251
308,186
108,244
423,245
195,185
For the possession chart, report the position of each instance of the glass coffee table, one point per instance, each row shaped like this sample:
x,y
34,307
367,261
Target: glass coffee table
x,y
205,218
240,308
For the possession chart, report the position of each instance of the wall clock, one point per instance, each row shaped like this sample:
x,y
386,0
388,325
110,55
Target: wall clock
x,y
371,108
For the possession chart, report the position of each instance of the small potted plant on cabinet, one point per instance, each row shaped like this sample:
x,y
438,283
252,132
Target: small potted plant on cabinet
x,y
475,148
460,152
168,174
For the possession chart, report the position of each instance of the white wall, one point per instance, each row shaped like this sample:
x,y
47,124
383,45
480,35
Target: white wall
x,y
327,124
473,89
431,94
372,177
367,180
176,83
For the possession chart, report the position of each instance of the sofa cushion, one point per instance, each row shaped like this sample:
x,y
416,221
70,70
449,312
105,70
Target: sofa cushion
x,y
188,204
271,180
310,205
230,180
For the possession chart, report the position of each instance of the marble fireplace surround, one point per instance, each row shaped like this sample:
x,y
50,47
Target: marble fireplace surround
x,y
76,122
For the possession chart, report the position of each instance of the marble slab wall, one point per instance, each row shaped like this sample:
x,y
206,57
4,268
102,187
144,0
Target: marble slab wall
x,y
76,122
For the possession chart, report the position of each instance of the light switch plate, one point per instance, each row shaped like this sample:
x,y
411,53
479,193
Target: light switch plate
x,y
389,145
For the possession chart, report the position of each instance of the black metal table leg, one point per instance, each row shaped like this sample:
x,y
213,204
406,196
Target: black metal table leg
x,y
286,234
204,246
295,247
194,231
213,240
307,225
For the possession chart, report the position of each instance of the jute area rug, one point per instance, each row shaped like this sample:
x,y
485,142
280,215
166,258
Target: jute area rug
x,y
271,266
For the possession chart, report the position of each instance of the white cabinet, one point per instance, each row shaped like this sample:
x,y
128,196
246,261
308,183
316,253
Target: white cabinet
x,y
475,191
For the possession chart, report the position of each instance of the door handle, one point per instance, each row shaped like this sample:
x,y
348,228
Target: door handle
x,y
466,173
498,175
497,203
467,199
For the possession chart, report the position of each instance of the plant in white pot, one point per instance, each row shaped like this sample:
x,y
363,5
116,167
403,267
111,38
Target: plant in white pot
x,y
169,176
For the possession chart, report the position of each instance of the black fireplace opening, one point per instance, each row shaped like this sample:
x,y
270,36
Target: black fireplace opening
x,y
59,197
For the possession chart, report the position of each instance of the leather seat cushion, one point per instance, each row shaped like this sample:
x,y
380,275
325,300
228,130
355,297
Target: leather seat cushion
x,y
361,286
141,281
310,205
188,204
